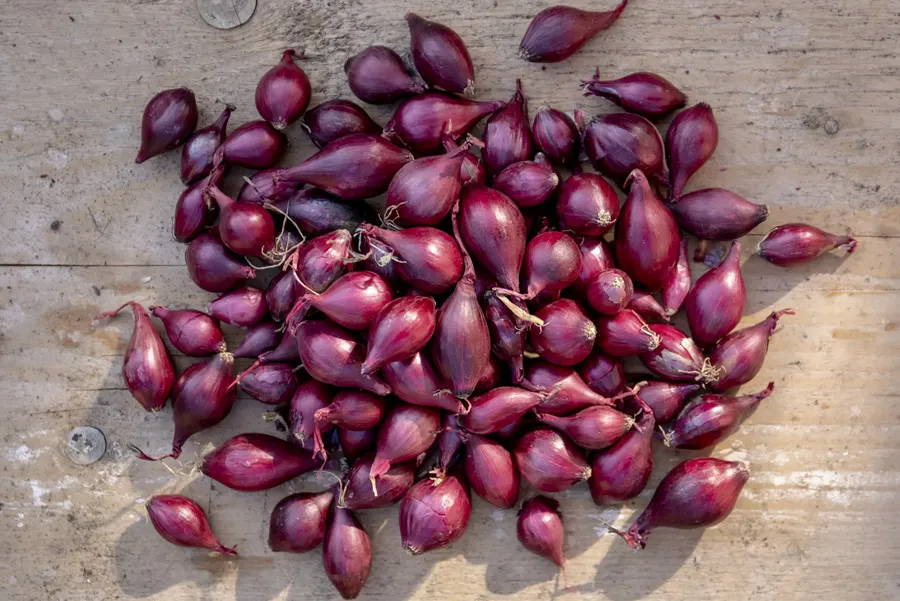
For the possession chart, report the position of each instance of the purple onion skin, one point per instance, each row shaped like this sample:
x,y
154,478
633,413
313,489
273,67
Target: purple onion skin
x,y
587,205
540,528
647,239
625,334
645,304
169,118
666,399
491,377
558,32
308,397
182,522
508,333
711,418
552,263
677,283
255,144
197,153
498,408
333,356
448,444
147,368
431,260
557,136
739,356
717,214
354,300
424,191
619,143
245,228
697,493
212,266
566,391
507,139
193,333
270,383
549,461
283,93
621,472
795,243
595,428
416,381
440,56
677,357
352,409
390,486
491,472
604,375
334,119
268,186
434,513
251,462
567,336
646,94
421,122
596,257
284,352
377,75
322,260
527,183
262,337
192,213
610,292
492,229
472,170
282,293
402,328
356,443
242,307
318,212
298,522
690,140
346,552
716,302
407,432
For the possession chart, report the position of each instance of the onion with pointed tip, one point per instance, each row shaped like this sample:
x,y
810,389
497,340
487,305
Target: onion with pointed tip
x,y
621,472
596,427
556,135
242,307
255,144
646,94
666,399
416,381
565,390
794,243
429,259
424,190
549,461
251,462
169,118
378,75
716,302
498,408
528,183
619,143
491,472
192,332
434,513
717,214
388,489
421,122
346,552
407,432
212,266
334,119
353,301
297,524
540,528
556,33
317,212
738,357
332,355
182,522
690,140
308,398
197,153
283,92
711,418
677,283
507,139
440,56
269,383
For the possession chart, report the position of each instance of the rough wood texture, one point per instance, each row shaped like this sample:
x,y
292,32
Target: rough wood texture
x,y
806,95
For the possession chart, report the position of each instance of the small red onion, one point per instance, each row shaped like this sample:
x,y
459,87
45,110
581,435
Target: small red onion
x,y
434,513
549,461
283,292
182,522
646,94
440,56
596,427
284,352
558,32
567,336
429,259
242,307
711,418
677,357
322,260
262,337
283,93
269,383
389,488
356,443
690,140
508,333
666,399
407,432
491,472
416,381
540,528
492,229
552,264
333,356
621,472
334,119
400,330
507,139
697,493
566,391
795,243
421,122
596,257
251,462
556,135
353,301
169,118
528,183
317,212
498,408
197,153
610,292
308,398
255,144
351,409
377,75
448,444
245,228
677,282
625,334
645,304
619,143
717,214
346,552
424,190
587,205
298,522
738,357
716,302
212,266
268,186
193,333
192,213
604,375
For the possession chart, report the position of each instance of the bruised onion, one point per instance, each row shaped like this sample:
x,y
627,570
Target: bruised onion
x,y
415,380
610,292
308,398
666,399
556,33
619,143
440,56
527,183
498,408
794,243
197,153
421,122
389,487
242,307
621,472
716,302
428,259
254,144
717,214
434,513
738,357
507,139
332,355
407,432
567,336
677,283
587,205
549,461
192,332
604,375
540,528
283,92
252,462
690,140
646,94
624,334
346,552
712,418
565,391
377,75
556,135
169,118
270,383
596,427
334,119
182,522
491,472
212,266
297,524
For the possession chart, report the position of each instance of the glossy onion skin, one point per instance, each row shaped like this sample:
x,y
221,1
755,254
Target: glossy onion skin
x,y
558,32
794,243
540,528
646,94
738,357
507,138
297,524
690,141
549,461
251,462
283,92
169,118
440,56
619,143
346,552
377,75
493,230
556,135
197,153
621,472
716,302
333,119
491,472
182,522
422,121
434,513
711,418
717,214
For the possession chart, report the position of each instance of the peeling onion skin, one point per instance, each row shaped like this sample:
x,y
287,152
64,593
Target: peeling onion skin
x,y
430,259
182,522
558,32
677,357
795,243
540,528
169,118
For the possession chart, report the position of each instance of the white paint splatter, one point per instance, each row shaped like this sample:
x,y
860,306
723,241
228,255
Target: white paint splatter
x,y
55,114
22,453
498,515
57,158
39,491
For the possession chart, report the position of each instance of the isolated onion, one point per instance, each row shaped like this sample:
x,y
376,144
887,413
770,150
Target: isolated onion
x,y
677,282
567,336
647,94
191,332
415,380
492,229
716,302
421,122
540,528
549,461
624,334
587,205
491,472
254,144
507,139
556,135
297,524
440,56
556,33
251,462
498,408
182,522
621,472
346,552
169,118
429,259
717,214
333,119
197,153
619,143
212,266
794,243
711,418
333,356
378,75
242,307
666,399
407,432
434,513
283,92
690,140
604,375
528,183
389,488
738,357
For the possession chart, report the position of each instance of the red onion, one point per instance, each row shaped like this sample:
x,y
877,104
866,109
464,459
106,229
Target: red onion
x,y
596,427
251,462
552,263
567,336
285,351
566,391
429,259
416,381
270,383
407,432
390,487
491,472
268,186
332,355
182,522
556,33
298,522
242,307
262,337
549,461
421,122
424,191
197,153
192,213
353,300
610,292
346,552
621,472
711,418
587,205
355,443
498,408
556,135
449,442
645,304
255,144
212,266
147,368
191,332
351,409
334,119
540,528
698,492
738,357
283,292
625,334
245,228
619,143
604,375
677,283
507,332
440,56
665,399
378,75
647,239
317,212
677,357
492,229
596,257
716,302
402,328
283,93
647,94
169,118
528,183
507,139
308,398
322,260
795,243
717,214
690,140
434,513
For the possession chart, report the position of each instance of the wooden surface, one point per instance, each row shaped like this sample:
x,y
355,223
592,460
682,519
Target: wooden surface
x,y
806,95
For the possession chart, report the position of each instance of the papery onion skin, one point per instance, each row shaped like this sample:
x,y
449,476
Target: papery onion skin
x,y
390,486
429,259
738,357
604,375
595,427
677,283
677,357
492,229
